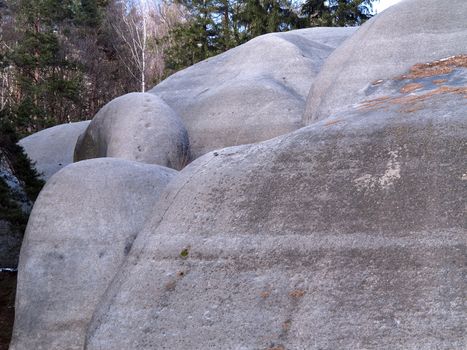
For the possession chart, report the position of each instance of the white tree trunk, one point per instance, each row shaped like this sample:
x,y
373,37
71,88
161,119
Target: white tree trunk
x,y
143,52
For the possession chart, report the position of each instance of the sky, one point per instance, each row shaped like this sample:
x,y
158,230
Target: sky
x,y
383,4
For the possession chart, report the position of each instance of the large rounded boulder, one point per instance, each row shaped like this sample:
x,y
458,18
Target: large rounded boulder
x,y
139,127
346,234
251,93
52,149
80,230
411,32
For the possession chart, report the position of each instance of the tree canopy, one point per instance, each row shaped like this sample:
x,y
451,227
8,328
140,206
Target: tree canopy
x,y
337,13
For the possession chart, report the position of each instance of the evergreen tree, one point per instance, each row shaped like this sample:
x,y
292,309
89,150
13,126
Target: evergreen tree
x,y
48,81
195,40
11,209
59,61
215,26
337,13
266,16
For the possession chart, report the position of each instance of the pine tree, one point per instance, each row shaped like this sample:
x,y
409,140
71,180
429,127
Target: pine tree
x,y
266,16
195,40
48,81
58,63
215,26
337,13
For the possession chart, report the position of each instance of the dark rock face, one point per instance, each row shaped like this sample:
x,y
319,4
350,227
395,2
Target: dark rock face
x,y
19,187
411,32
80,230
16,206
346,234
251,93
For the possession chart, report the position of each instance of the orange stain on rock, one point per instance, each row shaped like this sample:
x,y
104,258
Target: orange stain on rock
x,y
297,293
411,87
332,122
440,67
412,99
439,81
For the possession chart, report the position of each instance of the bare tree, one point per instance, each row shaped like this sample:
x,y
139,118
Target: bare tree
x,y
140,25
7,38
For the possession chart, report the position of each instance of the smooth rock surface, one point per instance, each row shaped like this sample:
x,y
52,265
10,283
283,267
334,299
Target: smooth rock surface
x,y
79,232
52,149
346,234
251,93
413,31
139,127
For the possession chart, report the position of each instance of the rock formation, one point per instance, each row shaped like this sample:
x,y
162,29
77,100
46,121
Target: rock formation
x,y
139,127
251,93
80,230
346,234
411,32
52,149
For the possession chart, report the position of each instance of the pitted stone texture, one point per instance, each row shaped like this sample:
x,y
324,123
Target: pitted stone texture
x,y
139,127
251,93
346,234
52,149
79,232
413,31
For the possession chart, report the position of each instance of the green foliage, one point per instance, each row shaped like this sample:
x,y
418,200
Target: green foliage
x,y
89,13
56,46
18,160
336,13
45,12
215,26
10,205
194,40
48,81
189,45
184,253
259,17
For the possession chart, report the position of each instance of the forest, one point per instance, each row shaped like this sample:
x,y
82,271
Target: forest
x,y
61,61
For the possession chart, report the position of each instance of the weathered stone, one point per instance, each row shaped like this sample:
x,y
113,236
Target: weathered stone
x,y
79,232
251,93
346,234
413,31
136,126
52,149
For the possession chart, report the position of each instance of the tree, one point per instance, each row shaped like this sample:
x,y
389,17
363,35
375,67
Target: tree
x,y
214,26
139,27
194,38
130,23
259,17
57,62
337,13
47,80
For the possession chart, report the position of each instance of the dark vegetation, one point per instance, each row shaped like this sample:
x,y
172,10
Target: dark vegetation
x,y
7,304
10,205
